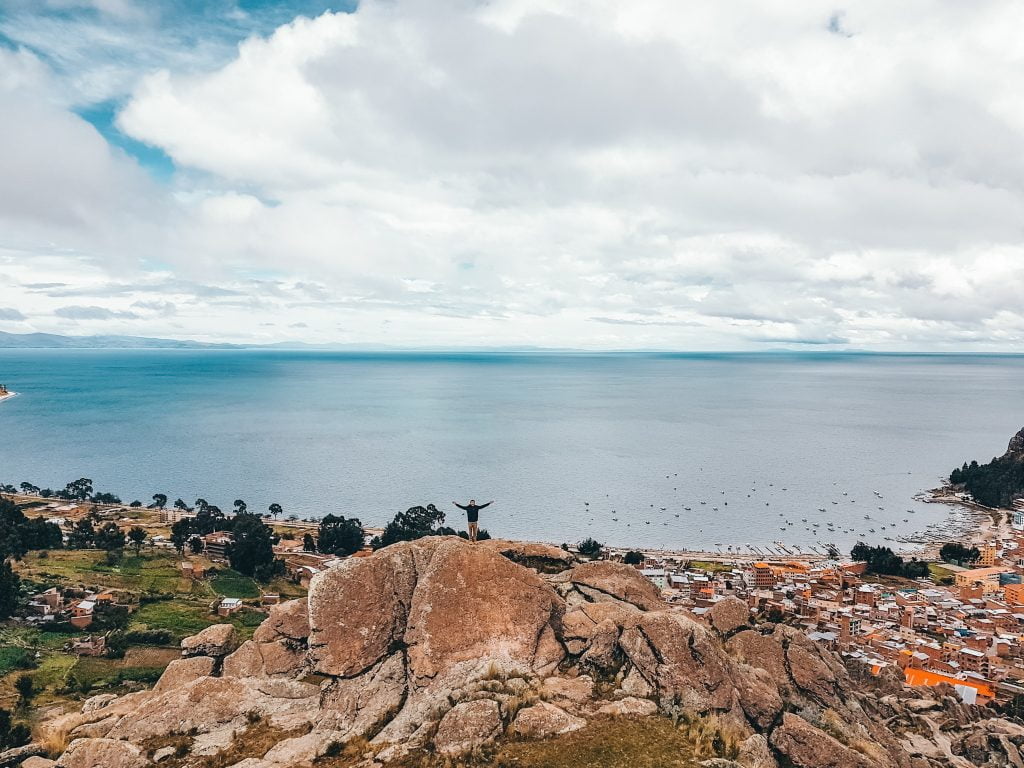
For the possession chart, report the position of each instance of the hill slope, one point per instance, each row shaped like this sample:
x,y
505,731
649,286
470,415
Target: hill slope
x,y
998,483
436,650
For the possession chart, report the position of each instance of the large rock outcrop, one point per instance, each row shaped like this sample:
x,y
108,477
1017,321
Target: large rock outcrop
x,y
445,646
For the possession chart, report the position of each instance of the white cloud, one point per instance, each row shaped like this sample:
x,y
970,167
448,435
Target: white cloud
x,y
591,173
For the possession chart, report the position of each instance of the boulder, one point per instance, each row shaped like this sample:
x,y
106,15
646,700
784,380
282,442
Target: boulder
x,y
680,659
758,694
246,661
358,610
543,558
9,758
762,651
810,673
629,707
181,671
359,706
543,720
754,752
604,580
808,747
467,726
728,615
285,620
568,691
38,762
447,601
217,640
455,614
108,753
99,701
208,703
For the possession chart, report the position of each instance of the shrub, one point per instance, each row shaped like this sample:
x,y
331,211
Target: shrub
x,y
590,547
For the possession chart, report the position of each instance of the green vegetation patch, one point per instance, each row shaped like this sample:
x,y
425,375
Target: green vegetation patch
x,y
13,658
939,574
89,673
183,618
710,566
234,584
157,572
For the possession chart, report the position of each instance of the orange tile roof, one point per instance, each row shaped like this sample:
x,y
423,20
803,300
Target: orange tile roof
x,y
917,677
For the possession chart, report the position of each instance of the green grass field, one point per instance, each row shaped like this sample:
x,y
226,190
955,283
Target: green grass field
x,y
156,572
707,565
233,584
183,618
184,610
938,573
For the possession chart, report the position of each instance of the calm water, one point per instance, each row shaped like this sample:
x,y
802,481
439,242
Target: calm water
x,y
370,435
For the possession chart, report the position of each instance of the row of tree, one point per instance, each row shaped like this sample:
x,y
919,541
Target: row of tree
x,y
959,554
883,561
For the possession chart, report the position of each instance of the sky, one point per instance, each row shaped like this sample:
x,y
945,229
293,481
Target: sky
x,y
664,174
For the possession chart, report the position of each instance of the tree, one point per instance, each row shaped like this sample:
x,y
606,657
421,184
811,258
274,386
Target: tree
x,y
414,523
19,534
882,560
252,550
240,507
12,734
82,535
10,589
340,536
181,530
28,488
590,547
159,501
135,504
105,498
79,489
208,519
996,484
275,509
180,504
308,543
959,554
137,536
25,689
196,545
633,557
109,537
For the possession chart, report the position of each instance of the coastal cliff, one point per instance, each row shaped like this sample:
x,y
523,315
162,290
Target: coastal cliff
x,y
440,650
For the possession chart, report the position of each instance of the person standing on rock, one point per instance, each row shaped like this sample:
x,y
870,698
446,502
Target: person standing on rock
x,y
472,515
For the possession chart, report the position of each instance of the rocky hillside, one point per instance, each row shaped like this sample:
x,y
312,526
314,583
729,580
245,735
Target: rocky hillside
x,y
435,650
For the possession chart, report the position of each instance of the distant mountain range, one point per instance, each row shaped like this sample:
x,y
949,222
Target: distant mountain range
x,y
55,341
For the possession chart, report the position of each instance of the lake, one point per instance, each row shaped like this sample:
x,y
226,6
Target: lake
x,y
568,446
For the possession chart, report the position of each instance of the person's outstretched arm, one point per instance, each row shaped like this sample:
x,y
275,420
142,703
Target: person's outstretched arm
x,y
458,505
486,505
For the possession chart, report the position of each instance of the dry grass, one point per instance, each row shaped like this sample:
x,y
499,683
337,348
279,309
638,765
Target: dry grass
x,y
53,740
711,737
652,742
